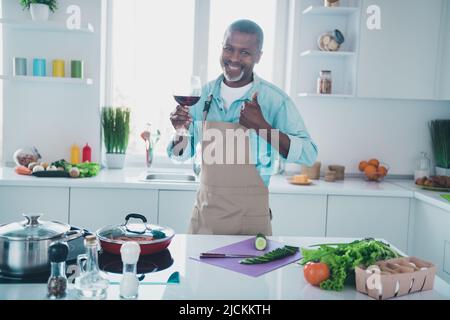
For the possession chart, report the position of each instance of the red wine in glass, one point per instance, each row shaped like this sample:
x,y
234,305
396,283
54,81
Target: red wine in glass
x,y
187,100
187,93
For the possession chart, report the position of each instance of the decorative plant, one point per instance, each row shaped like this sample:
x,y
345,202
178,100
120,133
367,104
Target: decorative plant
x,y
52,4
440,138
116,128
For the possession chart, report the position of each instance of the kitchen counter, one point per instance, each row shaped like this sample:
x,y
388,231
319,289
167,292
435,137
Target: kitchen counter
x,y
428,196
132,178
202,281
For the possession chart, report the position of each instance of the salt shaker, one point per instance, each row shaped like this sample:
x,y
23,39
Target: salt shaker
x,y
129,286
57,282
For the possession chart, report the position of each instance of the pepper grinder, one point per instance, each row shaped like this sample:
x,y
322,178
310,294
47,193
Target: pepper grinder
x,y
57,282
129,286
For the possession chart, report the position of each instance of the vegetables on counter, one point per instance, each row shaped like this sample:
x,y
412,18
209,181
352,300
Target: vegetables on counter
x,y
342,258
273,255
260,242
316,272
22,170
85,169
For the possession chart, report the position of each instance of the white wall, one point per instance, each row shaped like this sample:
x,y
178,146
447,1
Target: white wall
x,y
350,130
52,116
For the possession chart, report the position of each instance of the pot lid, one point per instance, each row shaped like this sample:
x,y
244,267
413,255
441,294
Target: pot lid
x,y
141,232
33,229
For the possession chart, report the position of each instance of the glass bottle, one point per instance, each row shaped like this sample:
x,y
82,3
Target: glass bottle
x,y
91,283
423,166
324,82
129,285
57,282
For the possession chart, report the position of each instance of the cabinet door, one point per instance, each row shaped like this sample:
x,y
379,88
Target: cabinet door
x,y
399,60
298,215
431,237
53,203
175,209
444,67
92,208
377,217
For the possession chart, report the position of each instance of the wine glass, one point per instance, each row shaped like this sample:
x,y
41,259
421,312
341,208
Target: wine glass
x,y
187,94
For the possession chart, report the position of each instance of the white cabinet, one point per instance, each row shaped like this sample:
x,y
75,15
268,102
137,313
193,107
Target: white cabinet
x,y
444,66
431,240
377,217
92,208
298,215
175,209
399,60
53,203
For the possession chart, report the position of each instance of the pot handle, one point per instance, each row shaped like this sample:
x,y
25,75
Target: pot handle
x,y
136,216
137,228
72,234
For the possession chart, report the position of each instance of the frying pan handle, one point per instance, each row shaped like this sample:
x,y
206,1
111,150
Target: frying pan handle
x,y
136,216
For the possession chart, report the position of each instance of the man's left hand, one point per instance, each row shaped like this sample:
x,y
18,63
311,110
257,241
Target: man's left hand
x,y
251,115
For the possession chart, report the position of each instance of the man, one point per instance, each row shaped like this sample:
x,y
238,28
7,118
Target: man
x,y
233,197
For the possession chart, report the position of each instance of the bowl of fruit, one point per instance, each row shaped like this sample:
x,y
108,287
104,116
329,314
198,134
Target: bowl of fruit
x,y
373,170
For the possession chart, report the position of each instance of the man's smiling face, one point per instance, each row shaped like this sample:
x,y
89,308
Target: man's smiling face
x,y
240,53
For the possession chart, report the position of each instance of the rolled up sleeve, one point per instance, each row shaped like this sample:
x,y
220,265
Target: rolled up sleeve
x,y
302,149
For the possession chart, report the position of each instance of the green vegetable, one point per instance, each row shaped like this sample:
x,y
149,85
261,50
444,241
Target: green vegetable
x,y
158,234
344,257
272,255
260,241
87,169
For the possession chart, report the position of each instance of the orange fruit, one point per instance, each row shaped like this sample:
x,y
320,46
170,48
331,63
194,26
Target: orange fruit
x,y
374,162
362,165
382,171
371,172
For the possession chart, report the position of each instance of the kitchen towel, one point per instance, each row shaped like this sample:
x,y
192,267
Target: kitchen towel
x,y
20,66
248,247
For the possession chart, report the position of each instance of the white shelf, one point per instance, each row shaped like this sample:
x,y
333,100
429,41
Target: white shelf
x,y
337,11
318,53
51,26
48,80
316,95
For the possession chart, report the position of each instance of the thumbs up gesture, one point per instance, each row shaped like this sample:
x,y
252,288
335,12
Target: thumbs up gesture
x,y
251,115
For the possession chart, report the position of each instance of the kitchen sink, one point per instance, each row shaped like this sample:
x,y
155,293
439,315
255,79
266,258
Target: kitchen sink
x,y
170,177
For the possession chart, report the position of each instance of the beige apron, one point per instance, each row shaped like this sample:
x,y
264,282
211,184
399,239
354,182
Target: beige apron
x,y
232,198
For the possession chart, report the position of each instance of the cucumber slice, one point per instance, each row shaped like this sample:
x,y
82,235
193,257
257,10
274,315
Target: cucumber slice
x,y
260,242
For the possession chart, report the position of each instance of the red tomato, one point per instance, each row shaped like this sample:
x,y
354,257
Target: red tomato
x,y
316,272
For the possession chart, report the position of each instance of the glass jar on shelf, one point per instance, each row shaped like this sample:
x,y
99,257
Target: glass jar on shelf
x,y
324,82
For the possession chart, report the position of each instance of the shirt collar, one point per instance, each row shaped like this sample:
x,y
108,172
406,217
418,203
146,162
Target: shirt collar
x,y
216,88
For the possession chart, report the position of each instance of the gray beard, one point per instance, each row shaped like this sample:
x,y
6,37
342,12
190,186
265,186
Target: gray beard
x,y
235,79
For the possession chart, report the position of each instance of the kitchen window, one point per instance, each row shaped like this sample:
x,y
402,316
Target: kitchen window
x,y
150,42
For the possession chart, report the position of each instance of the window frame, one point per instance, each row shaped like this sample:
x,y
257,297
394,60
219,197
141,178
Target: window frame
x,y
199,63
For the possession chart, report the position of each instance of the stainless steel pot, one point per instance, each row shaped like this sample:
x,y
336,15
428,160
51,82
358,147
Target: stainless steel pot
x,y
24,245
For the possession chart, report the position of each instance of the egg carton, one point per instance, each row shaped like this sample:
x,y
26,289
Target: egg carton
x,y
395,277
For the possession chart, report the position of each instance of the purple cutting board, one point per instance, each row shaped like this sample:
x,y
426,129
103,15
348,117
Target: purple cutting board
x,y
248,247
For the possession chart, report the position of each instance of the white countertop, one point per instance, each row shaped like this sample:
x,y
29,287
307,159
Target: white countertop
x,y
431,197
132,178
202,281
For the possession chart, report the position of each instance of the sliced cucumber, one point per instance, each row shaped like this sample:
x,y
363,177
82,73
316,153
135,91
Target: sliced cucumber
x,y
271,255
260,241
